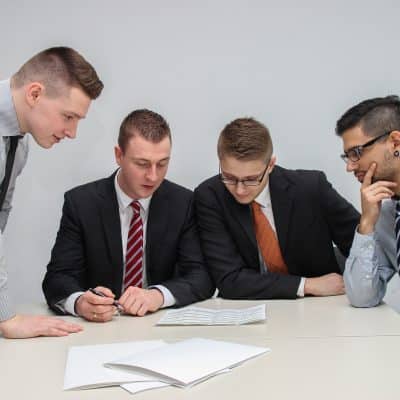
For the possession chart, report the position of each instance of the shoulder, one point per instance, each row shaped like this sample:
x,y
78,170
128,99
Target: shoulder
x,y
304,179
210,185
92,188
173,191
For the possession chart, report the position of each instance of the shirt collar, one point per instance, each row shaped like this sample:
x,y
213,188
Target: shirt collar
x,y
264,198
9,125
124,200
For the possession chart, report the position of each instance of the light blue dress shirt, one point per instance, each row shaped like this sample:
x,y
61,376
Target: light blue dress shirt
x,y
8,127
372,261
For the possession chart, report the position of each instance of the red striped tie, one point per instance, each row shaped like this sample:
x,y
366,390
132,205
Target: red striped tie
x,y
134,250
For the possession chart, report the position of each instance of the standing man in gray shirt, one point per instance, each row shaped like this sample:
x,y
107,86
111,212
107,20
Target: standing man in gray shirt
x,y
47,98
371,141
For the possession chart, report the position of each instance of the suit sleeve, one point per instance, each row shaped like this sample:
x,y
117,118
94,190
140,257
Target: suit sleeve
x,y
341,216
234,278
191,282
66,270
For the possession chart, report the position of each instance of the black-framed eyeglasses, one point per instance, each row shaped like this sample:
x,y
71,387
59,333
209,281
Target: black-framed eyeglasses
x,y
354,154
245,182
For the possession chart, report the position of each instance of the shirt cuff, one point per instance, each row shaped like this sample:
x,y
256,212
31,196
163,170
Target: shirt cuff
x,y
169,299
300,290
67,305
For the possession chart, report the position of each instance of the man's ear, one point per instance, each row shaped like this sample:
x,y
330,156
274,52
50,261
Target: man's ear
x,y
118,154
272,163
34,91
394,138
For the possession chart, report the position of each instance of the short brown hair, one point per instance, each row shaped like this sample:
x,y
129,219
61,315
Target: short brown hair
x,y
245,139
58,67
148,124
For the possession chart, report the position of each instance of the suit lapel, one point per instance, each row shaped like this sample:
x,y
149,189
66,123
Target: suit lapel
x,y
112,229
157,225
242,213
282,202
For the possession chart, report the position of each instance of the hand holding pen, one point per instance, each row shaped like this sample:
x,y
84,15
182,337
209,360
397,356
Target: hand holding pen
x,y
101,294
97,305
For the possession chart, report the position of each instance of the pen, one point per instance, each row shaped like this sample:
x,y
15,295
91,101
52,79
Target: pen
x,y
115,302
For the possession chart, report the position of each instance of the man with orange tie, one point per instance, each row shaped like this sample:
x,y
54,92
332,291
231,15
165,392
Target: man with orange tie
x,y
266,231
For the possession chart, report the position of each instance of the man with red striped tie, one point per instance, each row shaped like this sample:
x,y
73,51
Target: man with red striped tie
x,y
131,237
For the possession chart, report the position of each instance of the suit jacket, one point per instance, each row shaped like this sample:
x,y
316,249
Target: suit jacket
x,y
309,215
88,247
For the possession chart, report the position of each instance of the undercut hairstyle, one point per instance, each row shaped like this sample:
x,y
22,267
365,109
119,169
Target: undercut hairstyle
x,y
148,124
58,68
374,116
245,139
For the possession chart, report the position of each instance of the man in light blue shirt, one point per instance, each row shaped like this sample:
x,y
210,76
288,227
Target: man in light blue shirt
x,y
371,141
47,98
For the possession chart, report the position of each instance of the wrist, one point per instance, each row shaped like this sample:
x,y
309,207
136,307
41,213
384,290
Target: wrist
x,y
365,227
77,304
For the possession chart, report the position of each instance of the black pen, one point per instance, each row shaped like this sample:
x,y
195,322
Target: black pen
x,y
101,294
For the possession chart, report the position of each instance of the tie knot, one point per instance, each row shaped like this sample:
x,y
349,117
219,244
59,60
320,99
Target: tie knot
x,y
256,207
135,207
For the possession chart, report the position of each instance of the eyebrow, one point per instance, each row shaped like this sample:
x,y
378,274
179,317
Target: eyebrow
x,y
147,160
248,177
75,114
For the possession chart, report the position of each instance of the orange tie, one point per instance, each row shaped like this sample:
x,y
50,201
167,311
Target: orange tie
x,y
267,241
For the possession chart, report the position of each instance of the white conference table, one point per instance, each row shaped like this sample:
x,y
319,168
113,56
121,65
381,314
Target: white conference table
x,y
320,348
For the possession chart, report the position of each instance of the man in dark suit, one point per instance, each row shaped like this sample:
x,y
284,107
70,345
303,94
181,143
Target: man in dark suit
x,y
132,236
266,231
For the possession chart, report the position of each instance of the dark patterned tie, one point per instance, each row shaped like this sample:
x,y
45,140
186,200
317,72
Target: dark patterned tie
x,y
397,230
9,164
134,250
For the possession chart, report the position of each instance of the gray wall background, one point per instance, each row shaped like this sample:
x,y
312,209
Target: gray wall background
x,y
294,65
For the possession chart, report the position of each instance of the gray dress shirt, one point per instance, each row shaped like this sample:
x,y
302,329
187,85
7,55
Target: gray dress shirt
x,y
372,261
8,127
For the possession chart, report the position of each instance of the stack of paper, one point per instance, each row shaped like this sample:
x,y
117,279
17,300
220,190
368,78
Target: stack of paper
x,y
138,366
188,362
206,316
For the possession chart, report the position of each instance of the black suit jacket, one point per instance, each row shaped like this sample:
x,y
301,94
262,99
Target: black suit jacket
x,y
88,248
309,215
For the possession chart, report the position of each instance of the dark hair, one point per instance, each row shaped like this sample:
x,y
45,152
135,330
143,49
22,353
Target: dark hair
x,y
245,139
375,116
58,67
148,124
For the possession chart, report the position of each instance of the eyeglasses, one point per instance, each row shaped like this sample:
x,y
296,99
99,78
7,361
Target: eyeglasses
x,y
245,182
354,154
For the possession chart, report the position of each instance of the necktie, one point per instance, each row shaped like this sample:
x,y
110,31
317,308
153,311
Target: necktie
x,y
397,231
9,164
267,241
134,250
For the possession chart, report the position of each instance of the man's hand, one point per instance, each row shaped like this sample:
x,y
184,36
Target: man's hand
x,y
137,301
372,195
27,326
326,285
96,308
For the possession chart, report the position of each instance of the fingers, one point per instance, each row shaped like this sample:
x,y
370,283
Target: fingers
x,y
49,326
368,176
27,326
95,308
135,301
106,291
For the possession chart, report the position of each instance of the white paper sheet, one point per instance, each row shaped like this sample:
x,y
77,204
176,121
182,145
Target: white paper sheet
x,y
188,362
85,370
137,387
206,316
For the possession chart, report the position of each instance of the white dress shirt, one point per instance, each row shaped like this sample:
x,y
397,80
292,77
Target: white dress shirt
x,y
264,200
